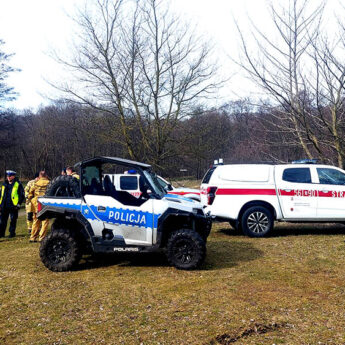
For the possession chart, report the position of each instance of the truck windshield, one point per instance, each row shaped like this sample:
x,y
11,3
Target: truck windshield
x,y
152,178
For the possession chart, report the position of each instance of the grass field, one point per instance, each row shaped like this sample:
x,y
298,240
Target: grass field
x,y
286,289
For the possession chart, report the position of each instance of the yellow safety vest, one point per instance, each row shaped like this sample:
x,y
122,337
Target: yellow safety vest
x,y
14,194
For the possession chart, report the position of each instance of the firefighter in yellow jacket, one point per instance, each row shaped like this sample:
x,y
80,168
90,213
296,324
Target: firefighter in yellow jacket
x,y
38,189
29,208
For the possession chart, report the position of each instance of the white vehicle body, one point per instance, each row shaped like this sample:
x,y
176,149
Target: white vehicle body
x,y
130,225
292,192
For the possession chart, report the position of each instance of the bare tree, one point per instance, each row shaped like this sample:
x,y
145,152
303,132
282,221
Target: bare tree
x,y
138,62
7,92
282,70
329,89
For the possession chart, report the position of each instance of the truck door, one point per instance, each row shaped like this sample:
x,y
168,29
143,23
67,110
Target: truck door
x,y
296,192
331,200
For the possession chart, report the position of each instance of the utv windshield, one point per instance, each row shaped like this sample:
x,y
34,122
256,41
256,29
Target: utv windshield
x,y
152,178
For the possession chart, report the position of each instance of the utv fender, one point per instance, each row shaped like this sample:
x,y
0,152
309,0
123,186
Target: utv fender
x,y
173,219
68,218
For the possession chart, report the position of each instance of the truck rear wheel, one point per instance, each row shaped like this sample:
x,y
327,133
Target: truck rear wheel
x,y
257,221
186,249
60,251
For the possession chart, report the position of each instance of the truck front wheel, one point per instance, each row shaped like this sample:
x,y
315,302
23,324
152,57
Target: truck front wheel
x,y
60,251
186,249
257,221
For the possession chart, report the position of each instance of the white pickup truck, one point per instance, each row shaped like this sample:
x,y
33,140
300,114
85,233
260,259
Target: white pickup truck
x,y
252,196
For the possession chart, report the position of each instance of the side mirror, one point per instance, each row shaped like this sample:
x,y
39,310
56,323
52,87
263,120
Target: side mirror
x,y
169,187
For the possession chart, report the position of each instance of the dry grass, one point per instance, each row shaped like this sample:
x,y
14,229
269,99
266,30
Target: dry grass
x,y
188,183
286,289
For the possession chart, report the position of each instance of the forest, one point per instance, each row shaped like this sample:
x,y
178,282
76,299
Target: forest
x,y
142,83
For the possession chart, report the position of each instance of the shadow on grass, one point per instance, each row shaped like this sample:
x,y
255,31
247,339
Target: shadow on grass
x,y
226,254
220,254
7,238
156,259
296,229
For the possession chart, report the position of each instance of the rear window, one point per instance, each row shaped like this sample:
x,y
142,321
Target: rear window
x,y
208,175
129,182
298,175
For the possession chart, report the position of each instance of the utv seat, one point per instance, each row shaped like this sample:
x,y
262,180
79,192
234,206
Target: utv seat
x,y
123,197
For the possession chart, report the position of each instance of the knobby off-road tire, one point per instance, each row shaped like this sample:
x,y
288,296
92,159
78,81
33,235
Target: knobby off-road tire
x,y
64,186
186,249
60,251
257,221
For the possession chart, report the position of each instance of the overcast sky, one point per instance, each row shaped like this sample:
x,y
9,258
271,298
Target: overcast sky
x,y
33,28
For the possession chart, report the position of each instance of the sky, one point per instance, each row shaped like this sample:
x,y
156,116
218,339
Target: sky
x,y
32,29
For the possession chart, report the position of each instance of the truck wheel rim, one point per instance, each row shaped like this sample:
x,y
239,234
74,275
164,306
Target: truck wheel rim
x,y
58,251
257,222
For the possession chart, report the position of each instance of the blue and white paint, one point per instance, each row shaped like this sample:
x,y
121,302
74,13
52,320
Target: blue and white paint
x,y
112,215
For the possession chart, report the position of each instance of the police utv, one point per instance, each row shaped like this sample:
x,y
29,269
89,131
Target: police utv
x,y
92,216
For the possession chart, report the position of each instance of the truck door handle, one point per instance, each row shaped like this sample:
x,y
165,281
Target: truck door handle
x,y
287,190
101,209
324,191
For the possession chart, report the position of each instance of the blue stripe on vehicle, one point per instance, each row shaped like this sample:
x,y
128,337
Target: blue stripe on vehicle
x,y
113,215
127,217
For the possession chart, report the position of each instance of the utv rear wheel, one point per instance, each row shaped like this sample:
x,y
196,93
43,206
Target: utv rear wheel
x,y
60,251
257,221
186,249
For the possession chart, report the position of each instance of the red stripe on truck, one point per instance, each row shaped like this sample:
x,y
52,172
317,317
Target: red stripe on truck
x,y
298,192
228,191
283,192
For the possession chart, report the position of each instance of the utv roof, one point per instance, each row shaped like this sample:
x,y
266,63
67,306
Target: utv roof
x,y
121,161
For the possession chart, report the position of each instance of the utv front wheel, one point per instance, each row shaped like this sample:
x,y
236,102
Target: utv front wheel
x,y
60,251
186,249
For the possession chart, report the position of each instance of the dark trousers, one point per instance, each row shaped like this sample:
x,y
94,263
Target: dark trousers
x,y
13,214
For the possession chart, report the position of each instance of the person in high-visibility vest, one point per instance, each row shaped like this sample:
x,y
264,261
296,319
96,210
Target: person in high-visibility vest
x,y
11,196
38,189
29,208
